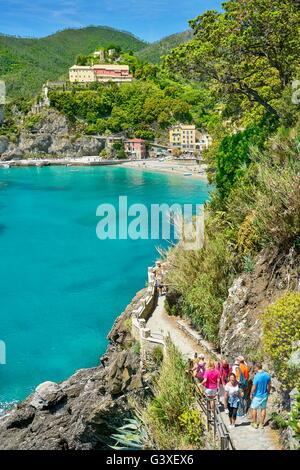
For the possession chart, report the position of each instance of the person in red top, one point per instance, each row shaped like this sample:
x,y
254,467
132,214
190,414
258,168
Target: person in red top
x,y
211,382
224,371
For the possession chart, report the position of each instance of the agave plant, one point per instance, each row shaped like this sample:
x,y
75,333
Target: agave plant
x,y
131,436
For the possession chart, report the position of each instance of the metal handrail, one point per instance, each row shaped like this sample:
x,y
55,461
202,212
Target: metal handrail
x,y
213,417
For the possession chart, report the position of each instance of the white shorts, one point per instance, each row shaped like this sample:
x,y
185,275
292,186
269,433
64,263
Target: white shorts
x,y
211,392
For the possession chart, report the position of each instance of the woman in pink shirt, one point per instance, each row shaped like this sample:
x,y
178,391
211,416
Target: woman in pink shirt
x,y
211,382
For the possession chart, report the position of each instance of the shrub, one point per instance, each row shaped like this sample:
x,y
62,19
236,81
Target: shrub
x,y
121,155
171,309
90,130
235,151
192,425
202,278
294,421
167,414
248,264
128,324
157,354
264,204
137,348
281,334
247,236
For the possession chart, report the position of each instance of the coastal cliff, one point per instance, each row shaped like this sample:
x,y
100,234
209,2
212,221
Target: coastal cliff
x,y
250,294
51,134
82,412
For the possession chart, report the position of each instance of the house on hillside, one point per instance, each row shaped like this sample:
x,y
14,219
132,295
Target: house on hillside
x,y
100,55
135,148
188,139
100,73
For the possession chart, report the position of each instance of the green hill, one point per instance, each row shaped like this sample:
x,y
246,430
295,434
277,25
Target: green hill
x,y
153,52
25,64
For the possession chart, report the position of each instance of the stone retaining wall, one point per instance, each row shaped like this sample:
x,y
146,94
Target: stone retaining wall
x,y
196,336
140,316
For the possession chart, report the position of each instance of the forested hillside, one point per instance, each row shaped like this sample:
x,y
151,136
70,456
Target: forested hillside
x,y
155,51
255,166
25,64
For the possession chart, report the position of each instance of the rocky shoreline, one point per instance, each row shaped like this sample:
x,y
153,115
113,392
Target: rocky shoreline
x,y
82,412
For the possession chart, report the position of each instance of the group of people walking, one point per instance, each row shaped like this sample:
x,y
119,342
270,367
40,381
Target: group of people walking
x,y
232,388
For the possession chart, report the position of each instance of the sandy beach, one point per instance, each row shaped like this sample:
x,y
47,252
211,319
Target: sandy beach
x,y
190,168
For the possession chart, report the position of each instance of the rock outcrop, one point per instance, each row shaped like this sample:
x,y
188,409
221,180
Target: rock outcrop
x,y
240,327
53,136
83,411
50,145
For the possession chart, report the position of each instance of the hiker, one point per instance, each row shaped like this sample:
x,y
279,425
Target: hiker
x,y
241,371
211,382
224,371
233,395
199,369
259,394
158,276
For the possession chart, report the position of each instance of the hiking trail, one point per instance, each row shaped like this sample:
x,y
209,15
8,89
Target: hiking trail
x,y
244,436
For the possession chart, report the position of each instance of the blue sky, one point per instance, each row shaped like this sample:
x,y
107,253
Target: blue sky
x,y
149,19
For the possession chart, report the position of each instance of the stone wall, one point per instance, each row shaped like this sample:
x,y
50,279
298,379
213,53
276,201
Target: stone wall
x,y
140,316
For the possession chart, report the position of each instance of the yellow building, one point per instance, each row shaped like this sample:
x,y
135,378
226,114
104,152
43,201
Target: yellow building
x,y
188,139
82,74
183,136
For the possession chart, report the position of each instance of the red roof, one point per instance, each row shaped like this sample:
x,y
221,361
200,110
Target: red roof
x,y
134,140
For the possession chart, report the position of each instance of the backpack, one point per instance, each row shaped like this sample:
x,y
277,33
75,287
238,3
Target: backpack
x,y
200,371
242,379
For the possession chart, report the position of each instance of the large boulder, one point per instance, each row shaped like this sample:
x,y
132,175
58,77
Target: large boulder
x,y
46,395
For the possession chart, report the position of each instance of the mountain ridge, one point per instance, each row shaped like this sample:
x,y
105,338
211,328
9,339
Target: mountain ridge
x,y
27,63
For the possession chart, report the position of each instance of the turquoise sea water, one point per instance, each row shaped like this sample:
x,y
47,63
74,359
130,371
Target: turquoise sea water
x,y
61,287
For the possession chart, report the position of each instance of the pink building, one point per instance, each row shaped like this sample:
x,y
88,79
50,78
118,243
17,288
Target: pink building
x,y
107,72
136,148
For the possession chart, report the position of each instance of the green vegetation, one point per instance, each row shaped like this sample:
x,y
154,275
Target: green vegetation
x,y
171,416
202,278
254,159
294,419
25,64
137,348
249,53
154,52
131,435
234,152
157,354
141,107
281,327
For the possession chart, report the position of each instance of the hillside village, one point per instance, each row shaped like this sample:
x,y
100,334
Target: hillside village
x,y
102,71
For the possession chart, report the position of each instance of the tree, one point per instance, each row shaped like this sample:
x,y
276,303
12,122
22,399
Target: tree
x,y
249,51
234,152
81,59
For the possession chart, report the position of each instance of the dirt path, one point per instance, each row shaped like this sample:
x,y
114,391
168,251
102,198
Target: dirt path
x,y
244,436
162,323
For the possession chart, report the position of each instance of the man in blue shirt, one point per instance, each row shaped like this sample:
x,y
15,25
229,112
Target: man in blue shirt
x,y
259,394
